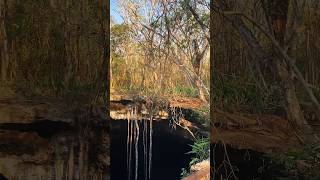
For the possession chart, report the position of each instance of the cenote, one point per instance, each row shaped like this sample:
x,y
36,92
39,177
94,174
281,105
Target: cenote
x,y
246,164
169,148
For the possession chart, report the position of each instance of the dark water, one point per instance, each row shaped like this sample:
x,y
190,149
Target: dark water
x,y
246,164
168,155
2,177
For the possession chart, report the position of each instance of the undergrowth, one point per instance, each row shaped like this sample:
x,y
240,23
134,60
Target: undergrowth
x,y
299,164
234,94
185,91
201,152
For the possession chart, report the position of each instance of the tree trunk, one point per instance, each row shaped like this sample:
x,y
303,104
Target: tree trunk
x,y
200,90
278,10
3,43
68,49
292,105
212,66
198,57
103,79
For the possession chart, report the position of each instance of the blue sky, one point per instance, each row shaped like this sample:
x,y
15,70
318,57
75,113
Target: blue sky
x,y
114,11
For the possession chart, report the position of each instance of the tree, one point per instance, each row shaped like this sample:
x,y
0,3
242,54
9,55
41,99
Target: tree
x,y
171,35
277,13
4,56
54,46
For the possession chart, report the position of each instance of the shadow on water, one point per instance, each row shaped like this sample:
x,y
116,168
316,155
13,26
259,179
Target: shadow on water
x,y
168,152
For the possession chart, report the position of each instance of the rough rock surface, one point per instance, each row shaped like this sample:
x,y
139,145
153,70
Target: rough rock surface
x,y
262,133
43,138
124,107
199,171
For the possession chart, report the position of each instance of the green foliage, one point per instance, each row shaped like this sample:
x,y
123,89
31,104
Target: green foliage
x,y
231,92
201,116
119,35
186,91
200,150
299,164
184,172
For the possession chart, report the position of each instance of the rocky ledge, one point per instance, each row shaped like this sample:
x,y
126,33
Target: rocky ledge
x,y
43,138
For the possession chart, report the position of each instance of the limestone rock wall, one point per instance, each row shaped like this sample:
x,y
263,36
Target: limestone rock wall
x,y
42,140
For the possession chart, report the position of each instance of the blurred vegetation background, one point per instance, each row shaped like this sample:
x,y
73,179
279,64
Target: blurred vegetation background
x,y
53,47
240,84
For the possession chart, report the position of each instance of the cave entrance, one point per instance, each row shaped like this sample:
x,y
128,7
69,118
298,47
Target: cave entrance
x,y
169,150
245,164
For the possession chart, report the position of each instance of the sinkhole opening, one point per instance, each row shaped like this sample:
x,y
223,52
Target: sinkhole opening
x,y
2,177
169,151
244,164
44,128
